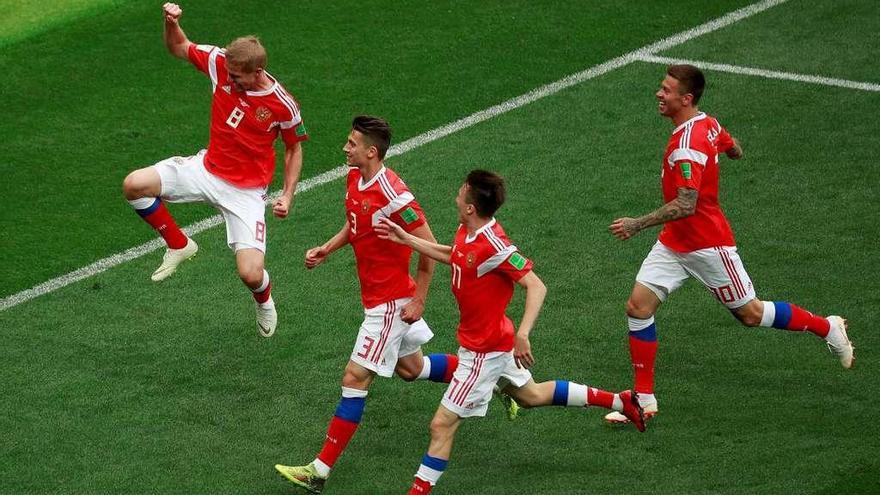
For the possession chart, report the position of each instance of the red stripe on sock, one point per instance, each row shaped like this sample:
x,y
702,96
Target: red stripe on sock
x,y
162,221
802,319
642,354
262,297
339,433
599,397
451,365
419,487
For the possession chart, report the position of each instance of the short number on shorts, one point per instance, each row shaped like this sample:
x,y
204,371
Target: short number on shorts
x,y
368,345
260,232
723,294
235,118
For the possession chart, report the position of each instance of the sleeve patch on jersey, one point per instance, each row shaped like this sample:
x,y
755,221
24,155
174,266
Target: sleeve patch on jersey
x,y
409,215
686,170
301,130
517,260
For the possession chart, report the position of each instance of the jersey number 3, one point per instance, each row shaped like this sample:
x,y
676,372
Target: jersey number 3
x,y
235,118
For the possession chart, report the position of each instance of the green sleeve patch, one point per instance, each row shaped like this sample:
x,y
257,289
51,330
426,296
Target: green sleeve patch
x,y
301,130
686,170
517,260
409,215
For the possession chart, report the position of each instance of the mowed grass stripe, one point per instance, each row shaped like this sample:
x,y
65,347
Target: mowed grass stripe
x,y
433,135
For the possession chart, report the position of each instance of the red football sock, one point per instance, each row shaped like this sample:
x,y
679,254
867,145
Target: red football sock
x,y
263,296
598,397
451,364
419,487
802,319
161,220
338,435
642,354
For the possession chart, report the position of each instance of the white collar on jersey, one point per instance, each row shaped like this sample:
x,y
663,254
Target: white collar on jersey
x,y
364,185
471,238
699,116
265,91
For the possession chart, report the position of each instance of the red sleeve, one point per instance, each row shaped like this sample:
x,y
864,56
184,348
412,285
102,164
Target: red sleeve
x,y
410,217
516,266
723,142
293,130
199,55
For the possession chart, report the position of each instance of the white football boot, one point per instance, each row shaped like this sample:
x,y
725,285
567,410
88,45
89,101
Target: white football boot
x,y
267,318
173,258
838,342
649,410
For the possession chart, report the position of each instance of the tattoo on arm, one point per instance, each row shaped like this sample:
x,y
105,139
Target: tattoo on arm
x,y
682,206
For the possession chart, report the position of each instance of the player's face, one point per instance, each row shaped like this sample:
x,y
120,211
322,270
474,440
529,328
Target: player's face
x,y
357,150
670,101
241,80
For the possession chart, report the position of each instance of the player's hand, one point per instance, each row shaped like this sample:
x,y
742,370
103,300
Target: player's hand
x,y
316,256
522,352
412,311
281,206
390,231
172,12
624,228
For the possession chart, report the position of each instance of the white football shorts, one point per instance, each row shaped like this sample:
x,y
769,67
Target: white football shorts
x,y
185,180
470,390
384,338
719,269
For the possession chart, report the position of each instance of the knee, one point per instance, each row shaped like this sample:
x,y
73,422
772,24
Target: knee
x,y
130,187
751,314
252,276
527,401
439,429
351,380
638,309
406,374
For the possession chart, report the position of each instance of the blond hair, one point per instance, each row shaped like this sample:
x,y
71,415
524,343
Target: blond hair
x,y
246,53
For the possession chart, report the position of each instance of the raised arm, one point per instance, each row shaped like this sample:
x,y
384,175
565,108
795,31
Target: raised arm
x,y
684,205
175,38
393,232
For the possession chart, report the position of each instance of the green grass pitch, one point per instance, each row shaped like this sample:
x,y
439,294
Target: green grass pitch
x,y
114,384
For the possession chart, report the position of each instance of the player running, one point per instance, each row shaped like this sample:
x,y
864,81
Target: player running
x,y
697,241
393,330
249,110
485,266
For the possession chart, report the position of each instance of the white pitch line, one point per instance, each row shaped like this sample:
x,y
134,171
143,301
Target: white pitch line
x,y
410,144
770,74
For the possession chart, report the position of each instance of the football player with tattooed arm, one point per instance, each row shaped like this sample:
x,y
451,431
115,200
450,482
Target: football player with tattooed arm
x,y
697,241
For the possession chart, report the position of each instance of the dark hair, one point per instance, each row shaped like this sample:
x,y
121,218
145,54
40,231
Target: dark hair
x,y
485,192
690,79
376,130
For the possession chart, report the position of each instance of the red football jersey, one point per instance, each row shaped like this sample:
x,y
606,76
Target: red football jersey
x,y
244,125
484,268
383,266
691,161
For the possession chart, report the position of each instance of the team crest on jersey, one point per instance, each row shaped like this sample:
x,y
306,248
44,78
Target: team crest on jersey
x,y
365,206
227,88
263,114
471,259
